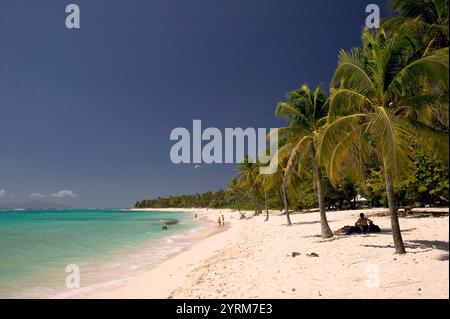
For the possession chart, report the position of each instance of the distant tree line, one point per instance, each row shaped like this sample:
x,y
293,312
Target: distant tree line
x,y
428,184
218,199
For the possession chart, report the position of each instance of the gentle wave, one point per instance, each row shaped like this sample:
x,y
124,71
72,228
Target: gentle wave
x,y
109,246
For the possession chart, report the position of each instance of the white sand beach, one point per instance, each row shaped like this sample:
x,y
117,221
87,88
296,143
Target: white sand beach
x,y
253,259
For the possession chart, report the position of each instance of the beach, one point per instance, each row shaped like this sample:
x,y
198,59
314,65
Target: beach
x,y
251,258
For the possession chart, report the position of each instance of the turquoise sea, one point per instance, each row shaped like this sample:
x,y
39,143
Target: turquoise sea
x,y
108,245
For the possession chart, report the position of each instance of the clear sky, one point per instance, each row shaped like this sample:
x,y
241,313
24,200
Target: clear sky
x,y
90,111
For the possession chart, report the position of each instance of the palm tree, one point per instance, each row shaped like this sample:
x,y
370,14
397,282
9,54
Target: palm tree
x,y
266,185
278,182
382,97
235,192
306,111
249,183
285,201
433,14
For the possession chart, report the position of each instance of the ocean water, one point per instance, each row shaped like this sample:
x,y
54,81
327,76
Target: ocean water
x,y
109,246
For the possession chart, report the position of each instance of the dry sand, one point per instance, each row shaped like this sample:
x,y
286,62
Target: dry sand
x,y
253,259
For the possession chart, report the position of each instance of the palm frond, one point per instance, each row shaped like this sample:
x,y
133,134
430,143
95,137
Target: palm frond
x,y
432,69
346,101
301,150
287,111
332,133
351,73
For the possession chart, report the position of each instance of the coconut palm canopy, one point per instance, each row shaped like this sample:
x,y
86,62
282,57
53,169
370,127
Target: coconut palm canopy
x,y
383,96
381,99
434,15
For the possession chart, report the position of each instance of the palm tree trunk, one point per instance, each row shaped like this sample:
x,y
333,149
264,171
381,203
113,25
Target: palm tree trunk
x,y
396,232
241,216
286,208
236,201
325,228
267,208
280,193
257,205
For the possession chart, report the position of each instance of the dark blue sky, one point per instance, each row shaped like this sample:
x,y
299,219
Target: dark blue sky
x,y
91,110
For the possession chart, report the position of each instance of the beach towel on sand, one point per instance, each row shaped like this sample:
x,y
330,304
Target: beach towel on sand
x,y
348,230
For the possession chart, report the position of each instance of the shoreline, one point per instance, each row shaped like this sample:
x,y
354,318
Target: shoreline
x,y
181,241
109,268
166,274
106,268
252,259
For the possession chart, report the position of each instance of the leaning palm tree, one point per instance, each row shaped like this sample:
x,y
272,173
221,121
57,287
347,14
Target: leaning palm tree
x,y
236,193
249,183
306,111
382,97
278,182
266,182
266,185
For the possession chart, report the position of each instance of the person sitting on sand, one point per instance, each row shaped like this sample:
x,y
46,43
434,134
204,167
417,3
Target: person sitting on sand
x,y
363,223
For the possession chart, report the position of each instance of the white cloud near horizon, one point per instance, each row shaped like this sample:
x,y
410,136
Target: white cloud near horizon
x,y
60,194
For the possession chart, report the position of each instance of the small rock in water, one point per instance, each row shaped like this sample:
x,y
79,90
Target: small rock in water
x,y
293,289
295,253
170,221
312,255
420,289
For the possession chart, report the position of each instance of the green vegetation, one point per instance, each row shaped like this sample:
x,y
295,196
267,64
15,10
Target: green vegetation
x,y
381,133
219,199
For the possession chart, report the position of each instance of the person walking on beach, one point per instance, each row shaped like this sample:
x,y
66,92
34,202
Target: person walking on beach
x,y
223,220
219,221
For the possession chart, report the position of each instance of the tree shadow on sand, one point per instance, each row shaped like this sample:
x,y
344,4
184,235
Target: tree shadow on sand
x,y
306,223
388,231
443,257
435,244
423,245
384,231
